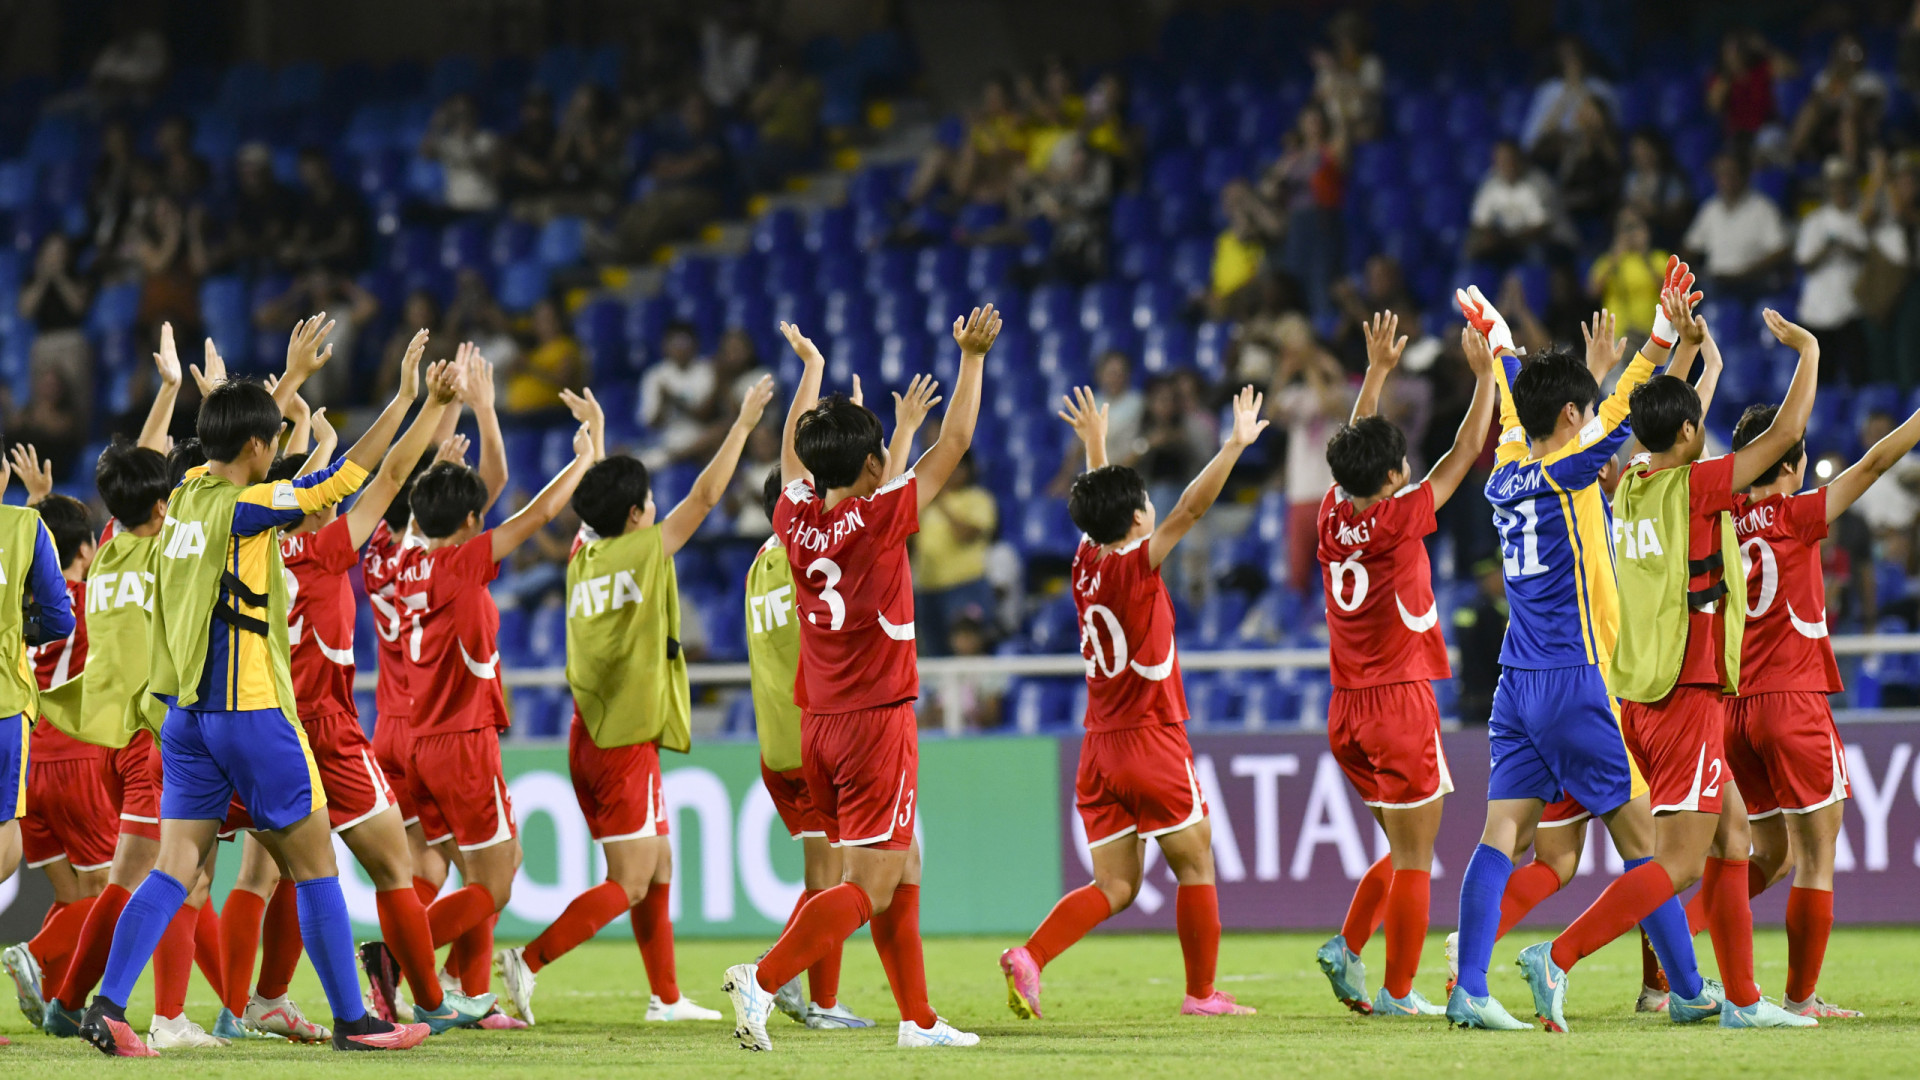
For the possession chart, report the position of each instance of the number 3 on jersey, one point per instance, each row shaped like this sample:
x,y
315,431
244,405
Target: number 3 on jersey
x,y
829,571
1519,538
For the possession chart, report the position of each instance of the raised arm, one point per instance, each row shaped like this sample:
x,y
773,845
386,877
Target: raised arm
x,y
1453,466
443,392
909,412
1854,481
975,334
1199,496
373,445
1383,355
1088,421
304,357
478,394
35,472
1790,422
1710,368
1604,351
300,439
813,367
547,505
325,441
153,433
1487,321
215,373
712,483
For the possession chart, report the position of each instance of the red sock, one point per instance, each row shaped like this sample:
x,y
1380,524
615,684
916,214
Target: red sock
x,y
823,978
53,909
896,937
454,914
824,923
1196,919
1650,973
403,926
653,932
207,952
36,946
1369,905
53,945
1730,924
89,957
1526,887
1632,897
583,918
1406,927
427,890
1077,912
173,964
476,968
279,941
1809,921
239,943
1697,907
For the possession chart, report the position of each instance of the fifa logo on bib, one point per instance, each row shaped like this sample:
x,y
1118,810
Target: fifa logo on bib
x,y
1636,539
774,605
185,539
590,597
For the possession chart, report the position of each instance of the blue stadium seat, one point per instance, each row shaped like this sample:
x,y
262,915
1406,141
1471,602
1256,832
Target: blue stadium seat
x,y
829,229
562,241
848,311
902,356
791,270
735,275
1210,350
1131,218
988,265
940,269
1036,705
18,181
1104,304
1049,307
690,274
523,285
1166,347
1192,265
1155,303
1142,259
898,313
854,354
778,231
115,308
888,269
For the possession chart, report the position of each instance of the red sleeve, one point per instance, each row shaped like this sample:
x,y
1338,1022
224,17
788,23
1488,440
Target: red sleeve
x,y
1710,485
1409,513
471,561
332,547
898,506
788,504
1326,505
1807,515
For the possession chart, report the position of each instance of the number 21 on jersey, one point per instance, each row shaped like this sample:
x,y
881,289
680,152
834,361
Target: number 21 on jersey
x,y
1519,538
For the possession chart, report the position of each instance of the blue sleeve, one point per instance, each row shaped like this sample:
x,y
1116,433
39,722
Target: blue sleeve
x,y
49,612
283,503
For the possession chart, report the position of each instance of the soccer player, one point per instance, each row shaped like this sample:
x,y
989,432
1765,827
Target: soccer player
x,y
219,658
773,653
845,533
1674,658
1383,721
629,682
1136,781
1782,748
452,633
1554,733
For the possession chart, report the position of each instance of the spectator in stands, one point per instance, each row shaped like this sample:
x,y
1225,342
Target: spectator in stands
x,y
785,111
534,379
1556,102
729,53
761,456
421,311
1512,217
1172,443
475,316
950,558
330,224
685,183
1073,195
1740,91
169,251
1113,388
1308,186
587,164
1835,241
1240,251
55,301
1053,111
1104,125
1382,286
54,420
1843,108
110,188
527,157
349,307
469,156
1347,78
675,396
1626,278
1890,300
1891,505
1654,189
1310,397
991,149
736,367
132,65
261,219
1738,241
1585,165
980,695
1480,628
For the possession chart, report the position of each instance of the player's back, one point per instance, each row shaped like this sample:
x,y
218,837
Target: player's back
x,y
320,618
1556,552
452,637
773,655
1785,646
380,570
1383,624
55,663
854,592
1126,639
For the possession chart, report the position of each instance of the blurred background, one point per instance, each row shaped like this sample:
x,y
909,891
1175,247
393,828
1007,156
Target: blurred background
x,y
1168,200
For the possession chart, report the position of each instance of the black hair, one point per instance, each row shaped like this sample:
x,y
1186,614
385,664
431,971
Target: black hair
x,y
609,492
444,496
71,525
235,413
186,455
1661,406
770,490
1103,501
1550,382
131,479
401,508
1757,419
1362,453
834,440
287,466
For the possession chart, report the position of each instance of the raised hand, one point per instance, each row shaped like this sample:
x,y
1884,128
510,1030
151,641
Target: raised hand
x,y
36,474
584,443
1603,351
324,434
1678,279
1482,316
215,373
753,403
476,378
1792,335
1085,416
1247,420
802,346
167,360
454,450
858,397
443,382
1383,351
910,409
1479,353
975,333
305,354
1678,310
410,367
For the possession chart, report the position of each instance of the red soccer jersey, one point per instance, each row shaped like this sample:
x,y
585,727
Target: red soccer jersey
x,y
55,663
452,636
380,569
1126,639
1710,492
1786,646
854,590
1383,624
320,620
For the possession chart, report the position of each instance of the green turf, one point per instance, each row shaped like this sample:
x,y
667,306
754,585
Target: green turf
x,y
1111,1005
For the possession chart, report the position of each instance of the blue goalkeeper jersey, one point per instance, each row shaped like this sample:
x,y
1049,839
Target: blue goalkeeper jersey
x,y
1556,533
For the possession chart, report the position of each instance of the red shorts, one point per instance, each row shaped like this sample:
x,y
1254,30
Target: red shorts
x,y
795,805
1387,740
1137,780
618,787
1785,753
69,815
238,818
1567,811
392,749
356,787
132,780
863,774
1677,742
464,796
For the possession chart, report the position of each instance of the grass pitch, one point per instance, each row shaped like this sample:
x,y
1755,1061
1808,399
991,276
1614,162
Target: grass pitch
x,y
1112,1004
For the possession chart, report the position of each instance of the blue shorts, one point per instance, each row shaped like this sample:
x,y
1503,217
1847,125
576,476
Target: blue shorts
x,y
206,757
13,766
1554,733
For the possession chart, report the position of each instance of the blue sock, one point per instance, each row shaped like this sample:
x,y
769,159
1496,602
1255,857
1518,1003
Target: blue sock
x,y
1481,890
1667,931
328,936
142,923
